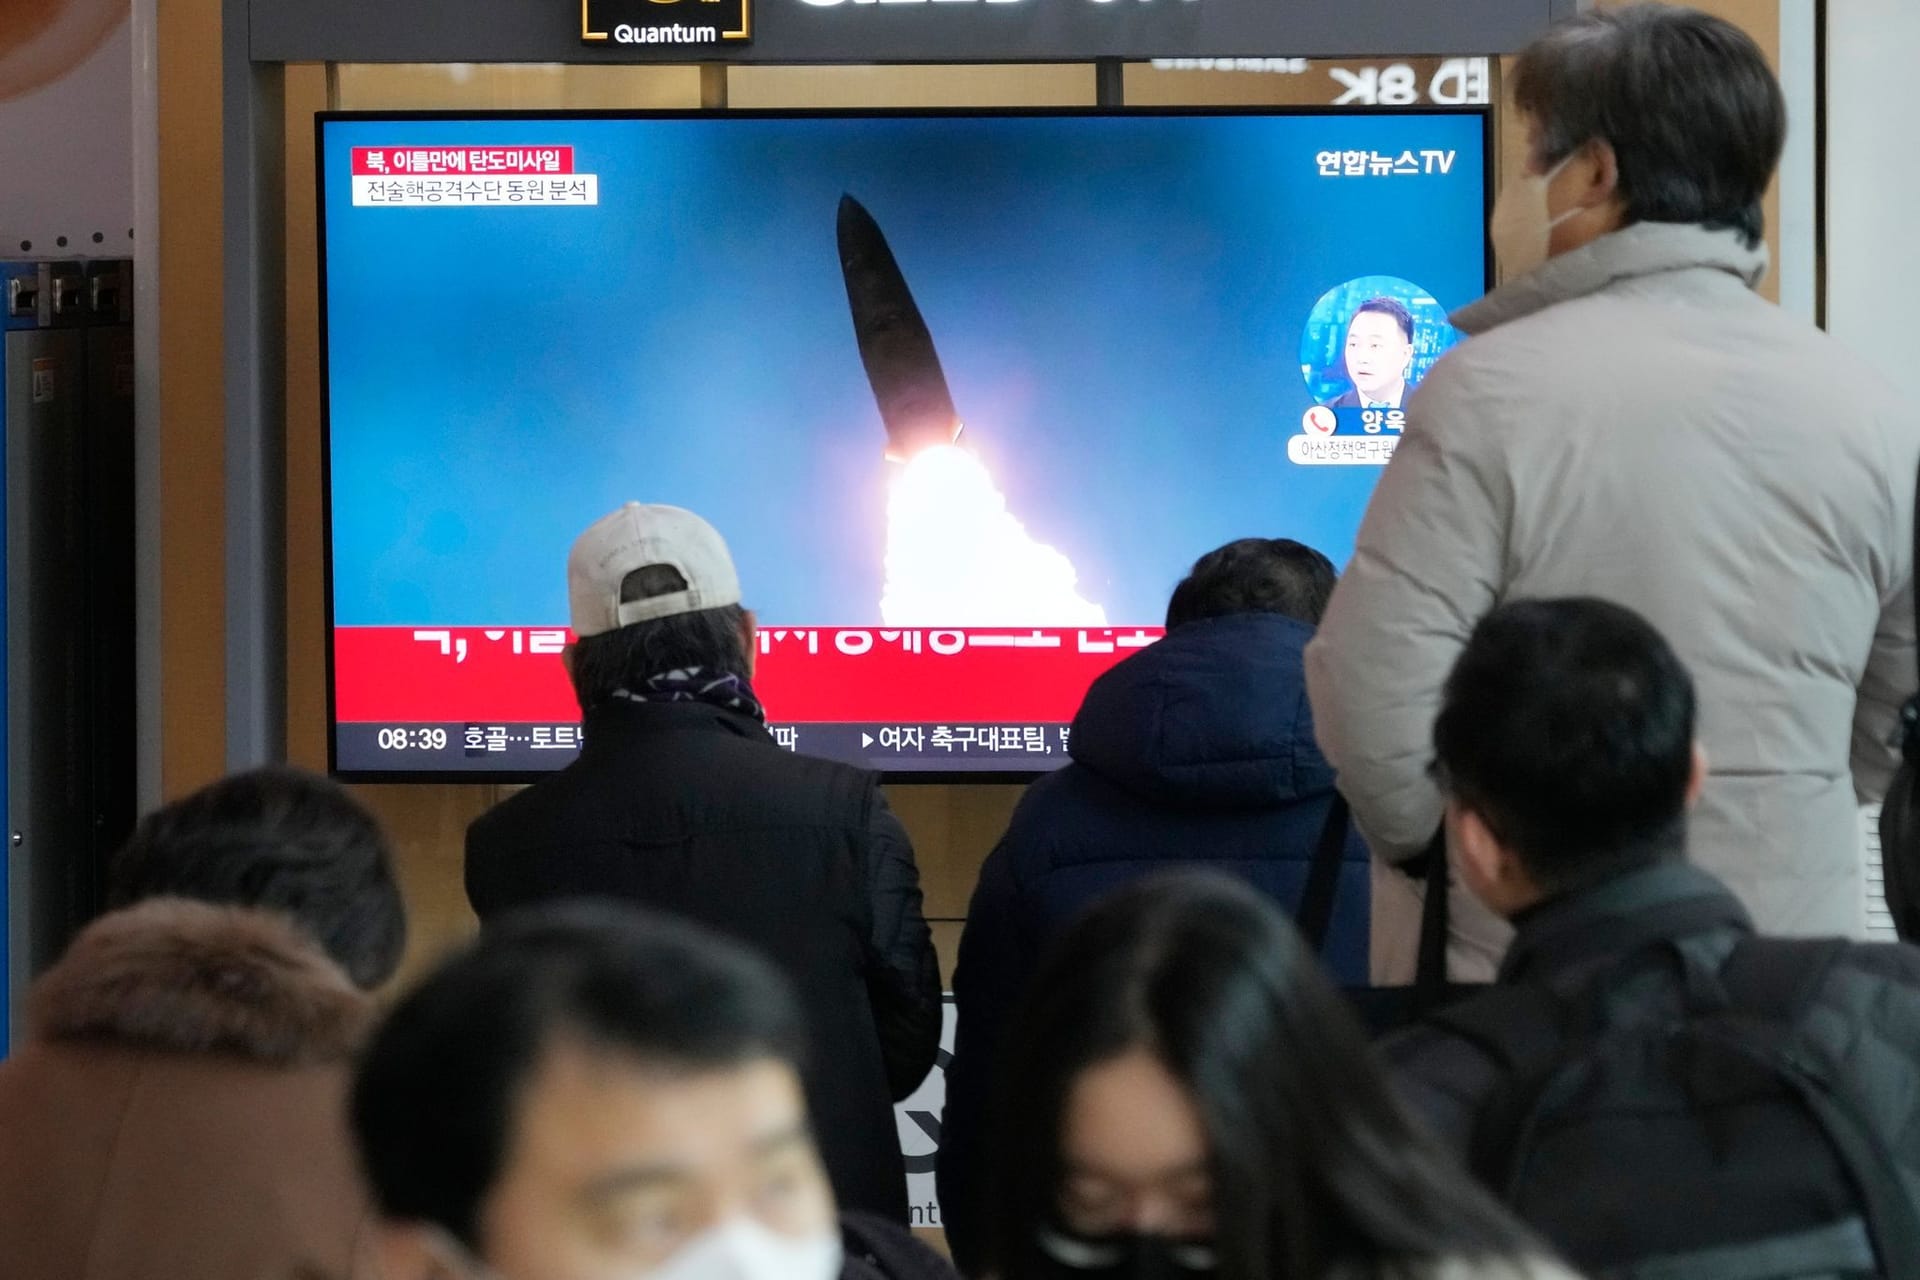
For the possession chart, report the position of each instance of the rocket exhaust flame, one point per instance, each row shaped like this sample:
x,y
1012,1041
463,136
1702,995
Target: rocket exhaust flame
x,y
957,556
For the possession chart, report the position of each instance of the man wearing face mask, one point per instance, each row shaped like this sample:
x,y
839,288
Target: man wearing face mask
x,y
594,1093
1629,420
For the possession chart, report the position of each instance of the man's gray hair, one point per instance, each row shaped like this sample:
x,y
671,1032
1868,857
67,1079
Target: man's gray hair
x,y
1693,112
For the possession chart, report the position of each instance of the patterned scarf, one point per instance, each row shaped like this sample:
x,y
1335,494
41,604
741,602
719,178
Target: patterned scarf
x,y
697,684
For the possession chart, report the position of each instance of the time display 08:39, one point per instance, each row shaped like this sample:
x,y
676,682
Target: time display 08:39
x,y
413,740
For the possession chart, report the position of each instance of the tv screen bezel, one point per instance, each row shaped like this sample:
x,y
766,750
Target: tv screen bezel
x,y
891,777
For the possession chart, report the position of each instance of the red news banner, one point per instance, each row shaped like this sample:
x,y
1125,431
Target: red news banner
x,y
825,675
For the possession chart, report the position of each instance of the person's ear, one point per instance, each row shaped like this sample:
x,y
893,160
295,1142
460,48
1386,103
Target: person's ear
x,y
750,640
1697,775
1583,199
1476,854
1491,872
1591,179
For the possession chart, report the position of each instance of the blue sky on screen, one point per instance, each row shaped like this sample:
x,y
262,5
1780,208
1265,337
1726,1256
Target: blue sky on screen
x,y
1118,303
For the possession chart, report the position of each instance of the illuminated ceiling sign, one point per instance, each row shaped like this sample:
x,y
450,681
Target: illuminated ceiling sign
x,y
668,23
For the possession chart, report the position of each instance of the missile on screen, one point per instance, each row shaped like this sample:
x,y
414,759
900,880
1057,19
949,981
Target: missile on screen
x,y
902,366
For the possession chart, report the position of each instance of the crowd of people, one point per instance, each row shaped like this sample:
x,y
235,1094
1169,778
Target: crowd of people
x,y
1629,626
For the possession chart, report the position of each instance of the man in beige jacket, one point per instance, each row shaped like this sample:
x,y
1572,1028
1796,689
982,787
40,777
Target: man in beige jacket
x,y
1629,420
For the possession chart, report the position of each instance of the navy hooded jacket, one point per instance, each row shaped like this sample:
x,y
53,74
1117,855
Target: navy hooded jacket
x,y
1197,751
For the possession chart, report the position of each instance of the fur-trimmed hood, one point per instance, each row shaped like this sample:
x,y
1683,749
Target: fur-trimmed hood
x,y
189,977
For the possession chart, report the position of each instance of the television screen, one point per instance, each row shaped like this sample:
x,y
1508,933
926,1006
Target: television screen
x,y
966,394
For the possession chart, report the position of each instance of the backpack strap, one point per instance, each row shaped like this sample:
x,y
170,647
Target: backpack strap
x,y
1430,977
1429,868
1780,980
1315,916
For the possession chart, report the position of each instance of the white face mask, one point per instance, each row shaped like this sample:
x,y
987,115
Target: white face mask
x,y
1522,224
742,1249
738,1249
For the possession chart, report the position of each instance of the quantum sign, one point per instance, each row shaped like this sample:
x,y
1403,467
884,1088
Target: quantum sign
x,y
666,22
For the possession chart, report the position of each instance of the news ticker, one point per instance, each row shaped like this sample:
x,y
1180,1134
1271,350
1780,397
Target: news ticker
x,y
526,747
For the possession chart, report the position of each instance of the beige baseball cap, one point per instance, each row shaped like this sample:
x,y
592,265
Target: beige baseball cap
x,y
635,536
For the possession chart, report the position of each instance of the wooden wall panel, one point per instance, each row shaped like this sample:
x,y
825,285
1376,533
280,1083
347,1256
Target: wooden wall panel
x,y
428,826
306,93
908,86
458,86
192,397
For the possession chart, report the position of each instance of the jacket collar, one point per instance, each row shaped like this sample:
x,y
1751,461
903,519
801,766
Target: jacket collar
x,y
620,721
1643,249
192,977
1214,716
1668,900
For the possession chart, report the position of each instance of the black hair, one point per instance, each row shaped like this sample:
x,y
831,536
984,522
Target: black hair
x,y
627,657
1316,1168
1386,306
1694,114
1568,727
437,1092
1255,575
281,840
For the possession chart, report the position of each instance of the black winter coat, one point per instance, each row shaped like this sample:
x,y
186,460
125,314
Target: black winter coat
x,y
1198,751
694,810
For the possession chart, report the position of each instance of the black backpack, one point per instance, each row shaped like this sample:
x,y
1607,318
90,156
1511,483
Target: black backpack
x,y
1676,1119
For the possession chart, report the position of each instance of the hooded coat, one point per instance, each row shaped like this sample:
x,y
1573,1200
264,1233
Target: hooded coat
x,y
179,1108
1195,752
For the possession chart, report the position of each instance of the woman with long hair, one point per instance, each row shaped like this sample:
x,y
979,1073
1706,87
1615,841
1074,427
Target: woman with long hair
x,y
1187,1095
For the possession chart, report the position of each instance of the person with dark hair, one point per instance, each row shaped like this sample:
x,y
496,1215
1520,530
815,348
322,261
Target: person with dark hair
x,y
681,800
178,1107
1628,419
1185,1094
275,839
1638,1024
1198,750
1379,356
594,1091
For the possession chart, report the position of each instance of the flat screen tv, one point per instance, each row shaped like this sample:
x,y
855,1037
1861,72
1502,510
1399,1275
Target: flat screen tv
x,y
966,392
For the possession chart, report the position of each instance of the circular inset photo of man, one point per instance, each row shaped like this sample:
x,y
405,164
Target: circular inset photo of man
x,y
1368,342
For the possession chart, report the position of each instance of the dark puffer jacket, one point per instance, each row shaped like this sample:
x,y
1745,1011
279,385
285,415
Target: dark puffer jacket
x,y
1198,751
